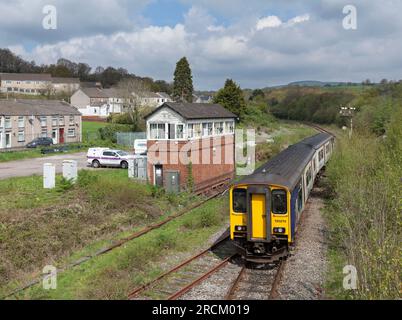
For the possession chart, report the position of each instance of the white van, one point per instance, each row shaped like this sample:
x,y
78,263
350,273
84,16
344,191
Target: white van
x,y
140,147
105,157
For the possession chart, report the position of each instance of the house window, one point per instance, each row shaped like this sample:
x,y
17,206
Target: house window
x,y
190,131
157,131
7,123
218,128
21,122
61,120
71,120
21,136
43,133
229,127
55,121
71,132
207,129
43,121
180,131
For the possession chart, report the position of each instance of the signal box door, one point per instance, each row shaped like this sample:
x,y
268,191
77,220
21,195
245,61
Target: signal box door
x,y
259,217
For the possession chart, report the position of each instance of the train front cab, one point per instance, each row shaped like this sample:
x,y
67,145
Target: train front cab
x,y
260,222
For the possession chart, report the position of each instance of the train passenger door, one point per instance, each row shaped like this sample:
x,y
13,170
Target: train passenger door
x,y
258,207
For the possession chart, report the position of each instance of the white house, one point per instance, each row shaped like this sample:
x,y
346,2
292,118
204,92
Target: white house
x,y
95,102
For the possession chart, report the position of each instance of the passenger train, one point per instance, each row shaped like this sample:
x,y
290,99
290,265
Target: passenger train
x,y
265,207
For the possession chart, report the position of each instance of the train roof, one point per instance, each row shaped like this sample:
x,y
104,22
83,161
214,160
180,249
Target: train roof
x,y
318,140
286,168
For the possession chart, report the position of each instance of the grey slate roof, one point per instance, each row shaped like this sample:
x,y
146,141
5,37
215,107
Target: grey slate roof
x,y
193,111
26,76
94,93
36,108
286,168
59,80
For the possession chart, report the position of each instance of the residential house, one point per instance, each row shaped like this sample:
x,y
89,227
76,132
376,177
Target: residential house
x,y
91,102
25,83
95,102
22,121
66,85
203,134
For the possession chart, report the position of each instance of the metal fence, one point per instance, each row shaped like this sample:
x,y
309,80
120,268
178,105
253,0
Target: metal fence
x,y
128,138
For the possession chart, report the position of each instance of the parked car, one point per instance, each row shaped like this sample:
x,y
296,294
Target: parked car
x,y
40,142
140,147
105,157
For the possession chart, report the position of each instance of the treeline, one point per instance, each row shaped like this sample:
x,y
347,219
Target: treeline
x,y
318,107
108,77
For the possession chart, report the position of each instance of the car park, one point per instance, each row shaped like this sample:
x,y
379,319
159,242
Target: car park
x,y
105,157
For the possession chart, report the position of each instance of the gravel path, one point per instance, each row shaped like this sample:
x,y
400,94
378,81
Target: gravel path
x,y
305,270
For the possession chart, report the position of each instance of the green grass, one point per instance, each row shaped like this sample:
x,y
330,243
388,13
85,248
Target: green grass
x,y
90,137
40,227
364,213
111,276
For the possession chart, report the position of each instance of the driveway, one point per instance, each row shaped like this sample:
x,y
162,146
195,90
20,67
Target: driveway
x,y
29,167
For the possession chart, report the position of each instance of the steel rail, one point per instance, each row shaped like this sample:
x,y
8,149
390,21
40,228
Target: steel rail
x,y
206,275
140,289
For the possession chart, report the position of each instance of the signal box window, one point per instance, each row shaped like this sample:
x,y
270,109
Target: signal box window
x,y
240,200
279,202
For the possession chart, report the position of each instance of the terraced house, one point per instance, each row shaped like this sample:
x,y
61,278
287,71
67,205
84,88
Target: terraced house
x,y
25,83
36,84
22,121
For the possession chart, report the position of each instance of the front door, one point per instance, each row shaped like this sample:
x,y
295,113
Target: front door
x,y
159,175
55,136
8,140
61,135
259,216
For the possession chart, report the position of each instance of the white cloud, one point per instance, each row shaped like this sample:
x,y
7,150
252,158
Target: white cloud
x,y
268,22
254,51
275,22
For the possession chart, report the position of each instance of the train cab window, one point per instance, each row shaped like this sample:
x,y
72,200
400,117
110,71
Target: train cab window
x,y
240,200
279,202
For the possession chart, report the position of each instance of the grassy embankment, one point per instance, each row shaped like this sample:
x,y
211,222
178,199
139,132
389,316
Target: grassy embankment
x,y
364,213
40,227
90,137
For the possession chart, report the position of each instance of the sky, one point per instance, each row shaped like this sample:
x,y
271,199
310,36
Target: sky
x,y
257,43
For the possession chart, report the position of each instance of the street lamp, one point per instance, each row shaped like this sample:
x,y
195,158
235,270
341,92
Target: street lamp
x,y
348,112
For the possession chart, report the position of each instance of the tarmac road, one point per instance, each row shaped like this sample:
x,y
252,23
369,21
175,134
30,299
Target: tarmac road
x,y
29,167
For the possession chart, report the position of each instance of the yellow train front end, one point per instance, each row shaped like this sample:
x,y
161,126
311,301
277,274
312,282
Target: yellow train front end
x,y
260,222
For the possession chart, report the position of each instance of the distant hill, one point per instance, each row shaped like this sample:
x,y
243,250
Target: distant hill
x,y
313,83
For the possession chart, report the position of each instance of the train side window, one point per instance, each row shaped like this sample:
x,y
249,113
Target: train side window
x,y
300,199
240,200
279,202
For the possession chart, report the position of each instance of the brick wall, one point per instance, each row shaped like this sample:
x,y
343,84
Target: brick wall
x,y
212,158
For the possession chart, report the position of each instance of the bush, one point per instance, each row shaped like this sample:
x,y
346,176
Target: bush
x,y
87,178
109,132
365,214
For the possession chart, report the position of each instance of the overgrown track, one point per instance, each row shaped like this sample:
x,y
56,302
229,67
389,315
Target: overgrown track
x,y
174,283
257,283
318,128
218,191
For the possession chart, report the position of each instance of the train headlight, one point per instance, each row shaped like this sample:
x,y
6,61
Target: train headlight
x,y
241,228
279,230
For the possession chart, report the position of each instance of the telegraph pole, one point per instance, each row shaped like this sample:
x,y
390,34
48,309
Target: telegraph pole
x,y
348,112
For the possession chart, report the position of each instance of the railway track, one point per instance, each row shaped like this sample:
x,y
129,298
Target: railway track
x,y
217,191
257,283
318,128
176,282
